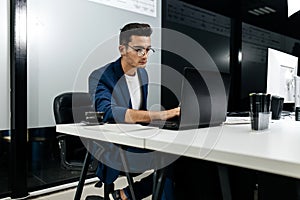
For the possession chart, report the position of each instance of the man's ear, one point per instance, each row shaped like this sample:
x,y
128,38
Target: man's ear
x,y
122,50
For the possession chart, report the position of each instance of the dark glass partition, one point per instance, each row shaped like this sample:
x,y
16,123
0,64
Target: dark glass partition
x,y
4,162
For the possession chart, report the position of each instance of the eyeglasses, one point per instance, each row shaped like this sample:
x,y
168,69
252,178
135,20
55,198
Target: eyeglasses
x,y
142,51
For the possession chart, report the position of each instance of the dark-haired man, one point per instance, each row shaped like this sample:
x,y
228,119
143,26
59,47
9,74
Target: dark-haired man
x,y
120,89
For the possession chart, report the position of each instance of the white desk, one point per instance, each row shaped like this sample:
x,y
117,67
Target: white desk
x,y
120,134
276,150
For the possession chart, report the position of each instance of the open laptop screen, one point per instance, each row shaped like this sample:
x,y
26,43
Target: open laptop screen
x,y
203,101
204,98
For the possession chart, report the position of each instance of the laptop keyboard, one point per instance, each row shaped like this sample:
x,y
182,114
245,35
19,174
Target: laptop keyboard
x,y
170,125
164,124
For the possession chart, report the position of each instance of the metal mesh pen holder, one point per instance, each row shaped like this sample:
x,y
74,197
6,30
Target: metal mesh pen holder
x,y
260,120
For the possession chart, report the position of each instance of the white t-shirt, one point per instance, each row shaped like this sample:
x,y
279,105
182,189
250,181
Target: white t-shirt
x,y
134,87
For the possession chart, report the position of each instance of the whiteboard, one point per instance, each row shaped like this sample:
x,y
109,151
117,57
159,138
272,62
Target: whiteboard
x,y
146,7
4,67
67,40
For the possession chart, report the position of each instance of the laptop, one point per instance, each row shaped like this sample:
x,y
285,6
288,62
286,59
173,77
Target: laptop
x,y
204,100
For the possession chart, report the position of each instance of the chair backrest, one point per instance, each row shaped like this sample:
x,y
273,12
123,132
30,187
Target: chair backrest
x,y
70,107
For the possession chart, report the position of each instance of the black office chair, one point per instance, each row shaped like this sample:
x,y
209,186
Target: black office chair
x,y
70,107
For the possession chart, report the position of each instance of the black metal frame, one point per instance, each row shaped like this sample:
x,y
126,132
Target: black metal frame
x,y
18,88
235,49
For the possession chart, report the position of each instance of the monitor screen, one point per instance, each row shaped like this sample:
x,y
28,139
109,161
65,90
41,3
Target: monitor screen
x,y
282,68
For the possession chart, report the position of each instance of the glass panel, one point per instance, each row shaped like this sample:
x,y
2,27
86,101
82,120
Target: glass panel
x,y
255,44
44,161
4,162
60,45
4,96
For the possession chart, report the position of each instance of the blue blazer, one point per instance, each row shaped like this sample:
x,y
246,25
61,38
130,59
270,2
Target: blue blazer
x,y
110,94
109,91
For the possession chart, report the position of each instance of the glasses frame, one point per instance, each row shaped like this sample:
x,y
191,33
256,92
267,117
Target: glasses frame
x,y
141,51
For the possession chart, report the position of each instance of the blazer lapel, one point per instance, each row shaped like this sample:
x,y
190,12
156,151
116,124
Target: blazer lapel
x,y
121,85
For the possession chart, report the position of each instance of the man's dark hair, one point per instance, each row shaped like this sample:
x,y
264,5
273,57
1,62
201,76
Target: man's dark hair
x,y
134,29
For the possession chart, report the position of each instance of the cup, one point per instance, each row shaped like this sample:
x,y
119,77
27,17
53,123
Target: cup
x,y
276,106
297,114
94,117
260,121
260,110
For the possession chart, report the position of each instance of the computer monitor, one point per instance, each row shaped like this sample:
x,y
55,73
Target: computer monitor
x,y
281,72
297,90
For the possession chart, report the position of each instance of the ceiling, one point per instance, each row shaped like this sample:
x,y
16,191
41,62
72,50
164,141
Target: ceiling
x,y
275,19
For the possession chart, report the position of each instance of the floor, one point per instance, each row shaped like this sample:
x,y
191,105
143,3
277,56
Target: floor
x,y
89,189
44,161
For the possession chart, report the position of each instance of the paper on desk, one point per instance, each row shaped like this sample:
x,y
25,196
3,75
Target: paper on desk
x,y
120,128
237,120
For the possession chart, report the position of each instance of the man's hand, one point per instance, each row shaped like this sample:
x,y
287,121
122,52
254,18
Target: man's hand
x,y
167,114
134,116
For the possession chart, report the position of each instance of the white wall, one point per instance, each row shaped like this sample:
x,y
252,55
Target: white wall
x,y
4,66
67,39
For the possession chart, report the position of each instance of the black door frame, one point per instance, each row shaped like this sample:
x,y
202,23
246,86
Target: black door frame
x,y
18,95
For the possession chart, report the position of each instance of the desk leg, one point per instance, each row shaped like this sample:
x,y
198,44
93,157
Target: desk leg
x,y
158,183
224,182
155,180
83,176
126,169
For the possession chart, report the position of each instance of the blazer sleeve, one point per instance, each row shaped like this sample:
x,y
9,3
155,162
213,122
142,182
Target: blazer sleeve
x,y
101,87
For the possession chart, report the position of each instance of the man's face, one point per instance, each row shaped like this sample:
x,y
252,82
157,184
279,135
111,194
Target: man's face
x,y
136,52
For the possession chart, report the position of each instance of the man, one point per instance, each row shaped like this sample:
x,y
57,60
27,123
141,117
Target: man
x,y
120,89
